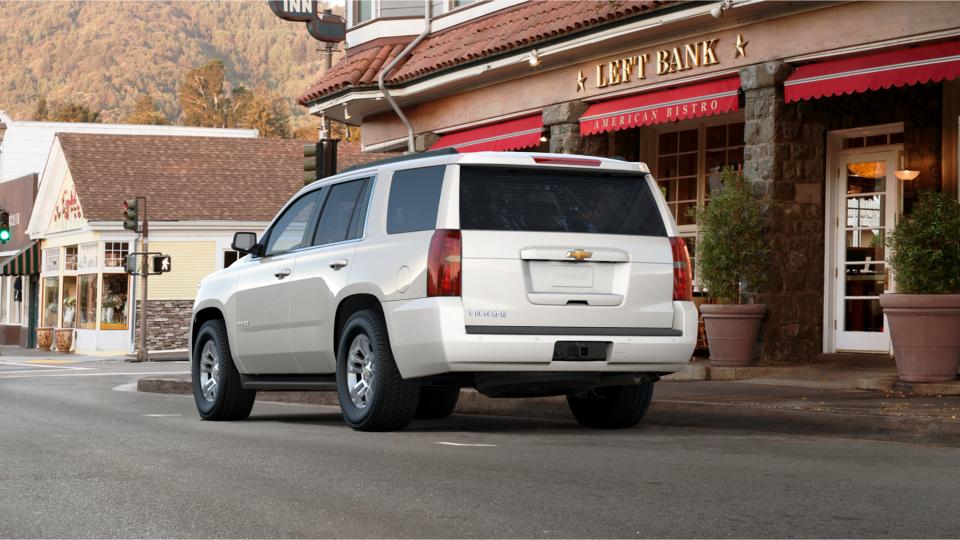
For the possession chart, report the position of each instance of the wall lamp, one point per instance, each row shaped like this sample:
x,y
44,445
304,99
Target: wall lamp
x,y
718,10
904,173
533,58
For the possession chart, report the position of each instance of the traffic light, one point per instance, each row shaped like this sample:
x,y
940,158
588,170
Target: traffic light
x,y
161,264
319,160
131,214
311,153
4,227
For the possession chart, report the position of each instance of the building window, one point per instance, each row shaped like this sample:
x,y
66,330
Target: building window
x,y
51,260
87,301
401,8
362,11
230,257
51,297
69,301
115,254
114,302
70,258
89,256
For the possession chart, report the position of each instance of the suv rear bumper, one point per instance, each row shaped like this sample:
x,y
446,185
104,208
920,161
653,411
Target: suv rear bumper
x,y
428,337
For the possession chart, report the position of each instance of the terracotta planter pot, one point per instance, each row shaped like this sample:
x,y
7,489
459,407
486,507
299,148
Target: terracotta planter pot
x,y
732,330
64,339
44,338
925,331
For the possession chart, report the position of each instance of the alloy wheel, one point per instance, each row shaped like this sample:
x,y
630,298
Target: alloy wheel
x,y
209,371
360,371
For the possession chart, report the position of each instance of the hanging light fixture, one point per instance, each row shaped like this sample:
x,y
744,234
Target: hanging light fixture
x,y
534,58
903,173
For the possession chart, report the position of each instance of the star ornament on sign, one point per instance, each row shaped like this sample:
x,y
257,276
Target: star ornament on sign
x,y
581,79
741,46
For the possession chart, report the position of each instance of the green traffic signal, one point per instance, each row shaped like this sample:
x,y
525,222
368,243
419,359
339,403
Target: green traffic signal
x,y
4,227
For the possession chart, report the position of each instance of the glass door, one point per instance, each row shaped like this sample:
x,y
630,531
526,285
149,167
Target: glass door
x,y
868,199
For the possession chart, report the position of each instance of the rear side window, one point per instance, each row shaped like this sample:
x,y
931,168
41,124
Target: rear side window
x,y
338,211
500,199
414,197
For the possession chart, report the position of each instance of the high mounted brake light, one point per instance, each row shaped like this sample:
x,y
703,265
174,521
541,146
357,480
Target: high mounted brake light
x,y
682,278
582,162
443,263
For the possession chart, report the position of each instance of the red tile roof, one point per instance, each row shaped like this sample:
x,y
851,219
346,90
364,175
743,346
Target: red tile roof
x,y
522,26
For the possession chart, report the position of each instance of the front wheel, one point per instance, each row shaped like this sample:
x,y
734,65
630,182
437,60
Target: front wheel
x,y
372,394
217,389
612,407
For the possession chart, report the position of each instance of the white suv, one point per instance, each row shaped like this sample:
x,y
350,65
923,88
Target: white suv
x,y
397,284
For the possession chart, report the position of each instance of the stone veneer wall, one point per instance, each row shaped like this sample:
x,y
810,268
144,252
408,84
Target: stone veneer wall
x,y
168,324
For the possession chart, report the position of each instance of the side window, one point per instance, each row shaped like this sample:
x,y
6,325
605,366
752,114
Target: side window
x,y
337,216
290,230
414,197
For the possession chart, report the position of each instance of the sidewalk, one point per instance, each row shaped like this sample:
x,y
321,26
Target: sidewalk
x,y
15,352
820,398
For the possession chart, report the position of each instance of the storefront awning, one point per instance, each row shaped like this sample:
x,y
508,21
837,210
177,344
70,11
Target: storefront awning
x,y
509,135
691,101
26,262
916,65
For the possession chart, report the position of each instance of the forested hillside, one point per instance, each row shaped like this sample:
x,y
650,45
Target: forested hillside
x,y
108,55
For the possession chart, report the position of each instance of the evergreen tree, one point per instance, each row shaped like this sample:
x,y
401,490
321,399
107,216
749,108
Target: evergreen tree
x,y
202,98
145,112
267,112
72,112
40,112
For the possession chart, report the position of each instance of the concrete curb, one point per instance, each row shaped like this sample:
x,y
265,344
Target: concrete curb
x,y
703,371
892,384
671,412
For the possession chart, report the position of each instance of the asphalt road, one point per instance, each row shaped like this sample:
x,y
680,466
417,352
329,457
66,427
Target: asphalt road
x,y
81,458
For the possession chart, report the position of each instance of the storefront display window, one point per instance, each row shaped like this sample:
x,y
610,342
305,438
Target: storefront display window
x,y
114,302
69,302
115,254
51,297
87,301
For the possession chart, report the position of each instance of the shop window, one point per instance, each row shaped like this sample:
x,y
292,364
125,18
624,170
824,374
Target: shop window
x,y
115,254
69,302
873,140
51,297
230,257
51,260
362,11
87,300
89,256
70,258
114,302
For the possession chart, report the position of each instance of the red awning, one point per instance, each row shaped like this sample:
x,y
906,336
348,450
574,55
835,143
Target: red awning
x,y
691,101
510,135
927,63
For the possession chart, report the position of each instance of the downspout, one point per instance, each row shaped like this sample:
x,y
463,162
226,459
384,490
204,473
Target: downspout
x,y
411,148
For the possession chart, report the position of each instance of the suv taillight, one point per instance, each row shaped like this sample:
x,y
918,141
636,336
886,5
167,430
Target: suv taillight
x,y
443,263
682,280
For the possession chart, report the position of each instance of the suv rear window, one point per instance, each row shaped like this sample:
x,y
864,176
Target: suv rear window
x,y
414,197
502,199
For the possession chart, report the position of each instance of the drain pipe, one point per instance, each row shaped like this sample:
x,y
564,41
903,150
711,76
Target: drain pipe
x,y
411,148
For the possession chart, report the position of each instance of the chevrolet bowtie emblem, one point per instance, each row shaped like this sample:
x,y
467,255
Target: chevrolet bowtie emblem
x,y
579,254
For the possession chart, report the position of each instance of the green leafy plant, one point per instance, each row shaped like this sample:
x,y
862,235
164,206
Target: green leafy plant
x,y
926,246
731,248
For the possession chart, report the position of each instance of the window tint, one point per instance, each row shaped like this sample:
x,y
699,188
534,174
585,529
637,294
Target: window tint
x,y
414,197
337,215
499,199
290,230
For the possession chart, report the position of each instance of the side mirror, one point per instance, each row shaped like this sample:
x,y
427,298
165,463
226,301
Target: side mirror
x,y
245,242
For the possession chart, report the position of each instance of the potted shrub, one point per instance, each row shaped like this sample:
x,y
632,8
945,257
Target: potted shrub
x,y
731,254
44,338
924,314
64,338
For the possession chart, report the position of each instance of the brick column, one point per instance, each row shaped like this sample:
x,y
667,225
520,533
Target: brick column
x,y
563,121
784,160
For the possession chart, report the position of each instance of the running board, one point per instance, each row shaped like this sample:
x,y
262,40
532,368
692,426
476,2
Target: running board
x,y
289,383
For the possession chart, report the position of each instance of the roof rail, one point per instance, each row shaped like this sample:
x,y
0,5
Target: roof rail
x,y
404,157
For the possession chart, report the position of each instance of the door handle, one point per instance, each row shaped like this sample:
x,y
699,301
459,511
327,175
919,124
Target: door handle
x,y
338,264
282,273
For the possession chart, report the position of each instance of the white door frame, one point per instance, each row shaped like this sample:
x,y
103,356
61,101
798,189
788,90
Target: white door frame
x,y
831,184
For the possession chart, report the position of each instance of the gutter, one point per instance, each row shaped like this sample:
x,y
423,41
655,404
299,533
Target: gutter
x,y
411,148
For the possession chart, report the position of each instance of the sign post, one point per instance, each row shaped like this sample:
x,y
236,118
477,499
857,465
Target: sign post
x,y
142,355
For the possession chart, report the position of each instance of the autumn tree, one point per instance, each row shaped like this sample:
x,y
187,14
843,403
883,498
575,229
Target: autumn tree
x,y
202,97
145,112
40,112
267,112
64,112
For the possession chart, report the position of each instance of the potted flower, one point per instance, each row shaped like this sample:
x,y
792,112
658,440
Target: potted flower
x,y
110,303
924,314
69,311
731,255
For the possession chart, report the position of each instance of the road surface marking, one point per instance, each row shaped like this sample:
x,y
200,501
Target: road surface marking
x,y
162,415
462,444
49,361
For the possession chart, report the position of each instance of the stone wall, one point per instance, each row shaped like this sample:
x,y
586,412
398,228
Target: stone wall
x,y
168,324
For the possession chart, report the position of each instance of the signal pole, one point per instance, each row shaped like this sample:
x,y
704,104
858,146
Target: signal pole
x,y
142,355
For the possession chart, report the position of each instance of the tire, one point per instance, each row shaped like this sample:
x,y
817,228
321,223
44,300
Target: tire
x,y
436,402
372,394
612,407
212,361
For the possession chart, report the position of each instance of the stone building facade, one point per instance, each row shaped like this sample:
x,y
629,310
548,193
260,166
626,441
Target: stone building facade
x,y
815,107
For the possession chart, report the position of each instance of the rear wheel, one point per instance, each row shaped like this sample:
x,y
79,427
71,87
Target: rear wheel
x,y
612,407
372,394
437,402
217,390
